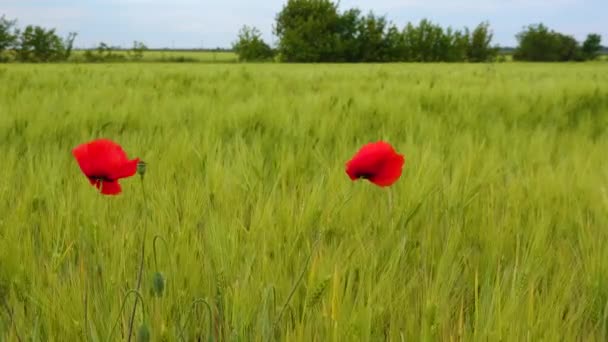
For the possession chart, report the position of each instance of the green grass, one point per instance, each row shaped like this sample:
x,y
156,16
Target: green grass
x,y
174,56
497,228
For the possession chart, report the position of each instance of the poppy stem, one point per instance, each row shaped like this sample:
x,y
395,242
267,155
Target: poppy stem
x,y
122,308
86,298
192,307
156,238
297,283
390,206
140,272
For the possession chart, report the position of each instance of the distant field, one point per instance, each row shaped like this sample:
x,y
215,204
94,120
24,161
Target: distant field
x,y
497,230
176,55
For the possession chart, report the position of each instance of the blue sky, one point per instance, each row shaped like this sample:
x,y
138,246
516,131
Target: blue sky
x,y
196,23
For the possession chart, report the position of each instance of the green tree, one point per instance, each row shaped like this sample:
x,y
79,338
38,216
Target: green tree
x,y
448,48
250,46
8,36
394,45
479,48
423,42
592,46
308,31
37,44
371,37
568,49
315,31
538,43
459,47
347,47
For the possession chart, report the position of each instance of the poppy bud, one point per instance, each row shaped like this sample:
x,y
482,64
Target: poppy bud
x,y
141,168
143,335
158,284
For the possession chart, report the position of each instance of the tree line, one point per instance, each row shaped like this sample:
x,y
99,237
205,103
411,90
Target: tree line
x,y
311,31
34,43
316,31
539,43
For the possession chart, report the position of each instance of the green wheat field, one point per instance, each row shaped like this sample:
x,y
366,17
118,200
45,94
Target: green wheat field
x,y
497,230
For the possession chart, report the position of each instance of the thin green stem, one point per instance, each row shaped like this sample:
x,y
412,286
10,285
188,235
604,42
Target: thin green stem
x,y
390,206
141,260
156,238
83,273
122,308
297,283
192,306
86,311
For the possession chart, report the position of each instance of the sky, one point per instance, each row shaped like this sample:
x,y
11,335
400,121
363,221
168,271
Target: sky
x,y
210,24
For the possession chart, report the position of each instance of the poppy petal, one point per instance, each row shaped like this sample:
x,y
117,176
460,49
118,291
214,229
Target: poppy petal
x,y
390,172
110,188
85,162
126,169
100,158
104,162
377,162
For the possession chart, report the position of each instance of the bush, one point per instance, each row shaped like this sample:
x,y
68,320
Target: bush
x,y
137,51
538,43
37,44
251,47
103,53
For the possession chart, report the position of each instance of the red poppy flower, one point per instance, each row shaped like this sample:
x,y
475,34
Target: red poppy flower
x,y
104,162
377,162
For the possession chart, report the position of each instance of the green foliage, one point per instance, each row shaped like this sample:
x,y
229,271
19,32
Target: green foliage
x,y
251,47
347,45
371,38
307,30
8,36
105,53
101,52
592,46
136,53
479,47
496,230
37,44
537,43
426,42
429,42
314,31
